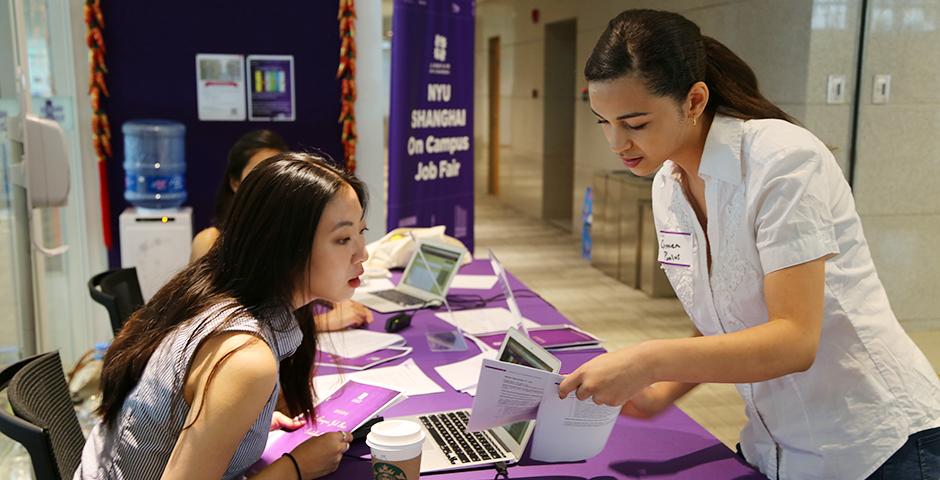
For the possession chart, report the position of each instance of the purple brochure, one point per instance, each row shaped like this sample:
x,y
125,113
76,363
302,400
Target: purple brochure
x,y
344,411
366,361
547,337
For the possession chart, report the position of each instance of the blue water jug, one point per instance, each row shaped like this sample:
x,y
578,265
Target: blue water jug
x,y
154,163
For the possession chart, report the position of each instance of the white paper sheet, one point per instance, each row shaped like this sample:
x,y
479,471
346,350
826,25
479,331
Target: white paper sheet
x,y
406,377
484,320
374,285
355,342
508,393
473,282
464,374
584,425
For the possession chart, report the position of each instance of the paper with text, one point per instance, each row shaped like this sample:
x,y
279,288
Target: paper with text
x,y
583,424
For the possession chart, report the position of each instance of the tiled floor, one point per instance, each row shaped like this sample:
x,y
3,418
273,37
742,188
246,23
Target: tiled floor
x,y
548,260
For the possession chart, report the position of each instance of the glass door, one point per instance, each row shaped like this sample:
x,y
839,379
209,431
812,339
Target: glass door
x,y
43,301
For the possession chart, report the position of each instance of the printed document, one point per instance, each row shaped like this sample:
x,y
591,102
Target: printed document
x,y
565,430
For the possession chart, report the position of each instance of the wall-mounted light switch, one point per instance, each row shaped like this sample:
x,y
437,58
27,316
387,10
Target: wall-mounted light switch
x,y
835,89
881,89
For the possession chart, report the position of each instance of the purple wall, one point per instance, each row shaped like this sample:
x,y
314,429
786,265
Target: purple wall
x,y
151,57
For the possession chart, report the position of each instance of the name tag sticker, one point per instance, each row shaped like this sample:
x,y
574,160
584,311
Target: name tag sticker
x,y
675,248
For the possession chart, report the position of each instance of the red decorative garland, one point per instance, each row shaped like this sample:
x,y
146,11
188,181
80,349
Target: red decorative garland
x,y
346,73
100,127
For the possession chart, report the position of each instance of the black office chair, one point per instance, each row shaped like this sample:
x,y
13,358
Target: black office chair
x,y
119,291
45,421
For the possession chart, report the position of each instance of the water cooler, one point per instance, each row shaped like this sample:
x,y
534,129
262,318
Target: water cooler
x,y
157,243
156,231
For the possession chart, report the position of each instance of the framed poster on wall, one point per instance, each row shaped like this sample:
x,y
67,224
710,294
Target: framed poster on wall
x,y
270,81
220,87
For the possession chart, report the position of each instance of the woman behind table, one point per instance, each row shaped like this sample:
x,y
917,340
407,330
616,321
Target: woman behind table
x,y
247,152
767,255
191,381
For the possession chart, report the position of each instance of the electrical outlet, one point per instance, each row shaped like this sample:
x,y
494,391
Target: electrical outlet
x,y
835,89
881,90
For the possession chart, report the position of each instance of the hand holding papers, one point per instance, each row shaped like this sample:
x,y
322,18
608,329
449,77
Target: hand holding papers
x,y
583,424
345,410
565,430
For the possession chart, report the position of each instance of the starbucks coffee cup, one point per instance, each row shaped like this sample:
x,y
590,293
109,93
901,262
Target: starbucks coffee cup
x,y
396,449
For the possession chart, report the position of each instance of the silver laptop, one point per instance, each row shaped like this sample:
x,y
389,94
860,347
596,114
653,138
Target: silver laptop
x,y
450,447
425,282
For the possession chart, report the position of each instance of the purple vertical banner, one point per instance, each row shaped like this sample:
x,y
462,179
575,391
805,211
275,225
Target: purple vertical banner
x,y
430,151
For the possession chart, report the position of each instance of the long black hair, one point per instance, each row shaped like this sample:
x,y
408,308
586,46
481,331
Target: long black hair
x,y
669,54
238,156
276,211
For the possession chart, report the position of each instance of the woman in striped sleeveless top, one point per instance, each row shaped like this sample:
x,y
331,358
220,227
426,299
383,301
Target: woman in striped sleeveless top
x,y
191,381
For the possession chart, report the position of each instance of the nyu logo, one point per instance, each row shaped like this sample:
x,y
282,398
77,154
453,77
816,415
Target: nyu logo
x,y
440,48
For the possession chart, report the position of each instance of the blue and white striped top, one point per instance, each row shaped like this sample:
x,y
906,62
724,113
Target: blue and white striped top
x,y
154,412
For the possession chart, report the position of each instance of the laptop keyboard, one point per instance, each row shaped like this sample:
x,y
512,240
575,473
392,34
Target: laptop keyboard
x,y
460,446
398,297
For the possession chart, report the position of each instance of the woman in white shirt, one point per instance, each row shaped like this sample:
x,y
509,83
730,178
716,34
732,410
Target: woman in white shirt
x,y
760,239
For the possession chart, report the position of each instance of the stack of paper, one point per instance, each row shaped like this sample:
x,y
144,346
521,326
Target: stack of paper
x,y
473,282
405,377
356,342
484,320
463,375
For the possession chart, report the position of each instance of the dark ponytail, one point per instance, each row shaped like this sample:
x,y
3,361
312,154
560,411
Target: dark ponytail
x,y
732,86
670,54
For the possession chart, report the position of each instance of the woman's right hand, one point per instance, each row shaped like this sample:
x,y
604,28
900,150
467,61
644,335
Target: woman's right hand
x,y
321,455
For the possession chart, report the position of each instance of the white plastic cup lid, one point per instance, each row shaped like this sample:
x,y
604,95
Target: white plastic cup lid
x,y
395,439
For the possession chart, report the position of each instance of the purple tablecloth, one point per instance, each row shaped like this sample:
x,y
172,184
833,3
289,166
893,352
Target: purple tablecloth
x,y
670,446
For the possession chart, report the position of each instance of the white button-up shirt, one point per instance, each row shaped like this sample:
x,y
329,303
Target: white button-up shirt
x,y
776,198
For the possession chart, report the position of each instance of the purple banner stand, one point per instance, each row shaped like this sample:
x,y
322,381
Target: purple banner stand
x,y
669,446
430,152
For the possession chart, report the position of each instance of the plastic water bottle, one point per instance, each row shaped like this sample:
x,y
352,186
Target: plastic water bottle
x,y
587,217
154,163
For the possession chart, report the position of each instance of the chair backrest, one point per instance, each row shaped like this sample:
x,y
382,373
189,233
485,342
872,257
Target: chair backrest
x,y
119,291
45,421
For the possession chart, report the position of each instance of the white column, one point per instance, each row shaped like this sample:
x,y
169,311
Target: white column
x,y
371,158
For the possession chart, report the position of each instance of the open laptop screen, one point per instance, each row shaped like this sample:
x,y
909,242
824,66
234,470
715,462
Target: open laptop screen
x,y
430,271
517,354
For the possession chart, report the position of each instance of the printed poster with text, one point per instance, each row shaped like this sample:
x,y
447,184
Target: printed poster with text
x,y
430,164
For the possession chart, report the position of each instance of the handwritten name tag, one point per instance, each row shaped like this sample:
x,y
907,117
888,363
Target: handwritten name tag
x,y
675,248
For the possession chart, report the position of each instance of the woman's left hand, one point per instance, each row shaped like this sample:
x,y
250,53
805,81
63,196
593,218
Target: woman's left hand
x,y
344,315
279,421
610,379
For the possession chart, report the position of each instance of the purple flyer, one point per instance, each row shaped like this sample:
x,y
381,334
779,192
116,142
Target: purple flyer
x,y
561,337
549,337
365,361
344,411
349,407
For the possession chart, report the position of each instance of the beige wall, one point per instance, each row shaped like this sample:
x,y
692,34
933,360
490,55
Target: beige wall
x,y
793,46
898,161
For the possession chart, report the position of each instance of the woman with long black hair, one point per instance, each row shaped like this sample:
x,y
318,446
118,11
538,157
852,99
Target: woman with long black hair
x,y
760,239
191,381
246,153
